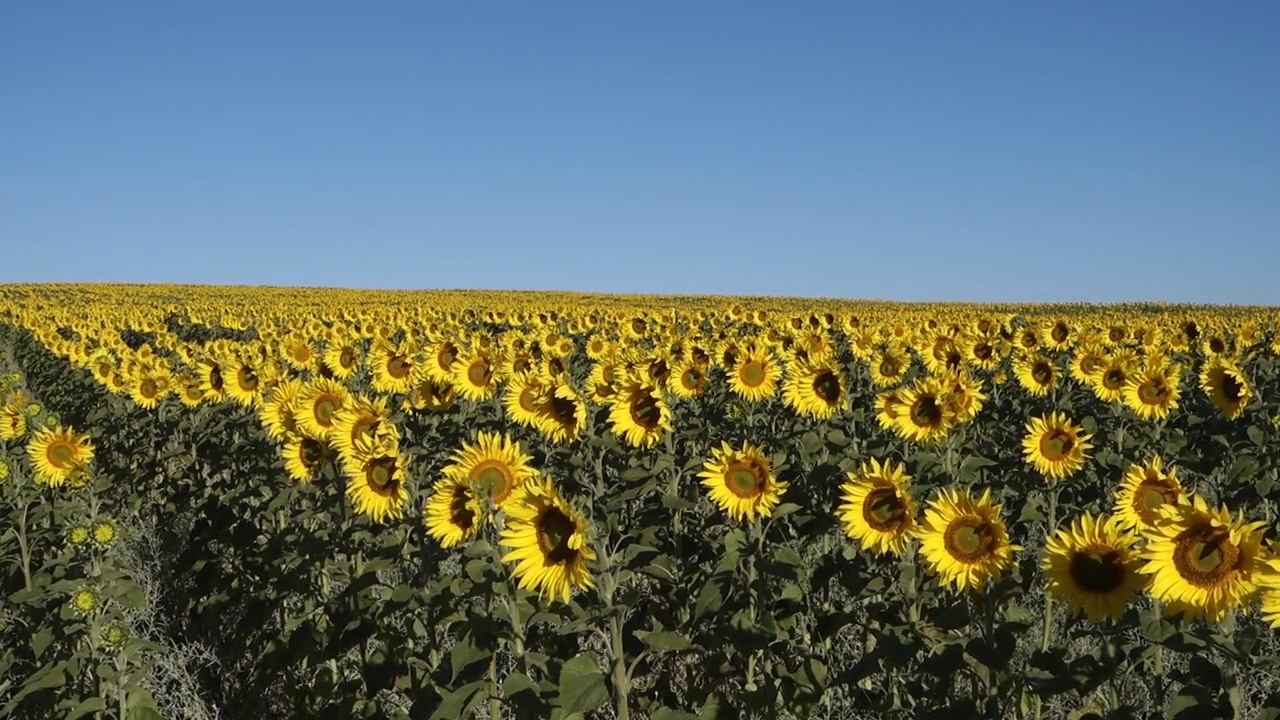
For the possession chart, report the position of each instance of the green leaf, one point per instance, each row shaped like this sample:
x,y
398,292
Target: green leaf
x,y
665,640
582,685
666,713
458,703
517,682
91,705
473,647
784,509
40,642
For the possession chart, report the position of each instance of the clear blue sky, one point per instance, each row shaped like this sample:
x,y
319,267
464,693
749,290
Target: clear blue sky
x,y
901,150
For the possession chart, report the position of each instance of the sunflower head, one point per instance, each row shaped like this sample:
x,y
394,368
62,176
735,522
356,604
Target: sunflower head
x,y
548,542
1054,446
964,540
1093,563
741,482
879,511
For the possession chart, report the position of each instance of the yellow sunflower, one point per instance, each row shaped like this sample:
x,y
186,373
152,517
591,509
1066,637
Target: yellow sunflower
x,y
58,453
889,408
1269,584
741,481
562,417
688,379
362,423
927,416
1087,362
756,375
1054,446
878,509
453,512
343,358
963,539
318,404
243,384
1144,490
1153,393
964,395
495,466
303,457
278,411
1093,564
392,369
1203,559
815,389
1111,379
1225,384
13,423
1036,373
548,540
523,397
377,483
212,382
889,366
475,376
639,415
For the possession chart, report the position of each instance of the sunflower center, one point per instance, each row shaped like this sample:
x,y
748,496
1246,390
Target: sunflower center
x,y
478,373
554,530
1056,445
983,351
1232,389
1205,556
827,386
61,454
310,452
1217,345
1114,379
445,357
883,510
564,410
1150,496
1042,373
1116,334
1089,364
247,378
494,479
969,539
347,358
691,379
888,367
398,368
1060,333
645,411
1153,391
215,378
460,512
608,374
364,427
325,406
147,389
381,475
745,479
752,373
1097,570
925,412
301,353
529,399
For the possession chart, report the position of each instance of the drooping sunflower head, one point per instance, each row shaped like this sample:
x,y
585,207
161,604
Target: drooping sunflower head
x,y
1054,446
1226,385
1203,559
879,511
741,482
548,540
964,540
1093,564
1144,490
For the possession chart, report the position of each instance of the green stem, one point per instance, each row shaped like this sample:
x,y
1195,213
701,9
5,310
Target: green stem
x,y
621,680
23,549
1048,597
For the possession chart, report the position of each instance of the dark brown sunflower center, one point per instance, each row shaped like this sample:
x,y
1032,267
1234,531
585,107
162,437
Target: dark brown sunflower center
x,y
1042,372
479,373
564,410
1232,389
554,530
1029,339
398,367
644,410
446,356
691,378
1060,333
1056,445
529,399
1204,556
310,452
494,479
1116,334
1150,496
883,510
1153,391
381,475
969,539
1217,345
827,386
324,407
1097,570
983,351
925,412
460,512
637,327
752,373
889,367
215,378
1090,363
746,479
347,358
1114,379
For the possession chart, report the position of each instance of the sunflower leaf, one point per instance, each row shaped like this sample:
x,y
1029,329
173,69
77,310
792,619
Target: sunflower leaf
x,y
582,685
664,640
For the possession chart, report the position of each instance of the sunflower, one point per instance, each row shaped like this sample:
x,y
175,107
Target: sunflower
x,y
494,466
1269,584
889,407
303,457
1144,490
362,423
1153,393
523,397
453,512
878,509
57,454
376,483
343,358
243,383
1225,384
1111,379
1054,446
188,389
964,395
318,404
149,387
13,423
104,533
639,415
298,351
278,411
392,369
1086,363
963,539
814,389
562,416
756,375
1093,564
741,481
889,366
1203,559
927,416
440,358
982,352
212,382
688,379
1036,373
1057,335
548,540
428,394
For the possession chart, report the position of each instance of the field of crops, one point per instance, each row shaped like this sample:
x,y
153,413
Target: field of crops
x,y
259,503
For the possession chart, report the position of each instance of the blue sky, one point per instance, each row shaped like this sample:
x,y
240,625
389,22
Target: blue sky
x,y
991,151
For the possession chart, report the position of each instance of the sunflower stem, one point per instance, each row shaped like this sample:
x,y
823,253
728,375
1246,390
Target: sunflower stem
x,y
1052,527
621,681
24,549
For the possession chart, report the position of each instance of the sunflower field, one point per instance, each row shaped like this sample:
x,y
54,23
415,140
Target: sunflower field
x,y
228,502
